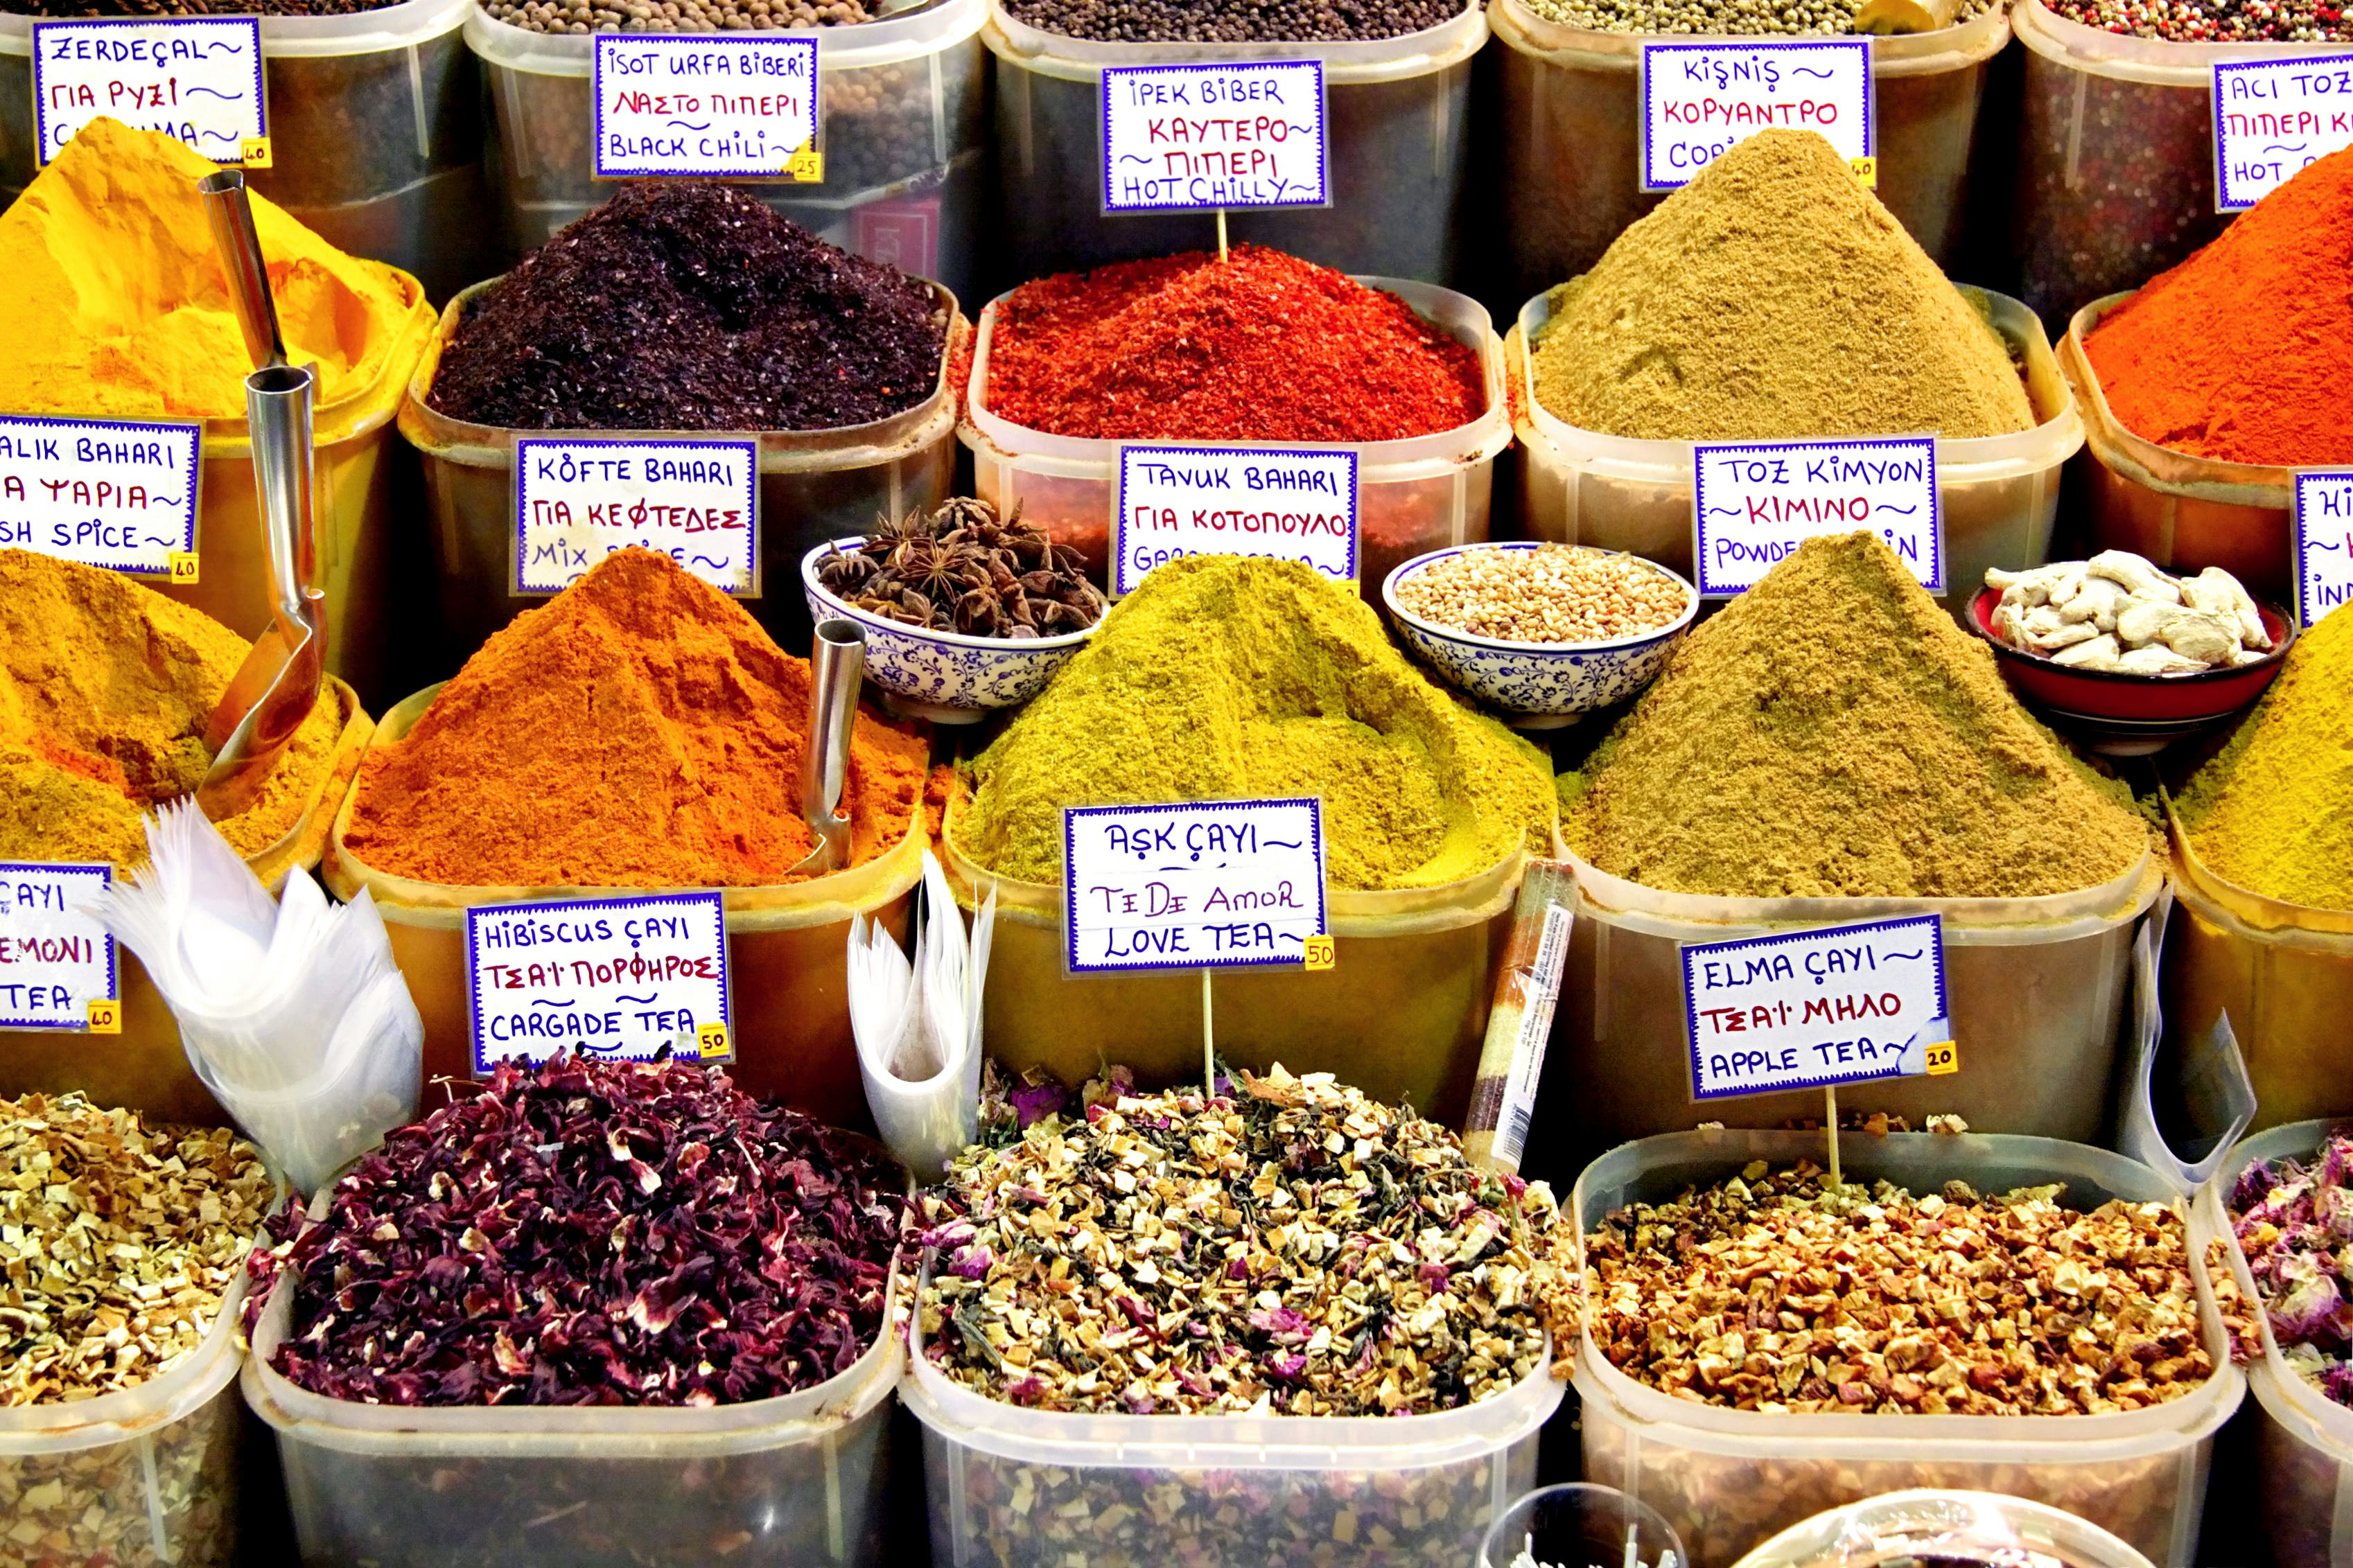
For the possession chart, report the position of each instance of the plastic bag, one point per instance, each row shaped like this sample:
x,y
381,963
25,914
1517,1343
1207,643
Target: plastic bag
x,y
918,1026
291,1012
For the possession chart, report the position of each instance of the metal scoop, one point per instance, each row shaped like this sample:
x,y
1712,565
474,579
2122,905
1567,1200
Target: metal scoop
x,y
231,213
837,663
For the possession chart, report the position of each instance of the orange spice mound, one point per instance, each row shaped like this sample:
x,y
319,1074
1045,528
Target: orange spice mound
x,y
639,730
1264,347
2243,354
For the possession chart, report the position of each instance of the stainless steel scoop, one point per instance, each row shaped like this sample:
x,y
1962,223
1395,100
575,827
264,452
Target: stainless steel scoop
x,y
837,663
231,214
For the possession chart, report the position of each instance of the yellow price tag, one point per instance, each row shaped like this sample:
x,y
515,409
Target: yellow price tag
x,y
711,1038
182,564
1942,1059
1321,953
105,1017
253,152
808,167
1866,171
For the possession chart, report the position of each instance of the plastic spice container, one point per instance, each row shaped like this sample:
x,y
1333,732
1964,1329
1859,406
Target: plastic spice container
x,y
1413,496
1397,115
1400,1014
2037,989
2184,513
1952,1528
800,1479
2116,156
2000,493
901,126
144,1068
787,956
1572,119
815,485
1728,1479
142,1478
1011,1487
375,133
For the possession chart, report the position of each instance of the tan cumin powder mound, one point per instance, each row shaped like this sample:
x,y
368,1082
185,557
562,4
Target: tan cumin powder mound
x,y
1832,733
1774,298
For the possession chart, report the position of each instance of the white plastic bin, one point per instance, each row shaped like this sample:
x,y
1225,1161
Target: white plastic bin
x,y
901,125
2116,156
2000,493
375,127
1728,1479
1413,496
1572,117
1010,1488
802,1480
1397,111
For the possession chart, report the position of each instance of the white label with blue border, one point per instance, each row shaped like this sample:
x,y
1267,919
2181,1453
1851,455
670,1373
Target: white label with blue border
x,y
1700,100
2273,117
1753,503
2324,542
120,494
196,80
694,501
1213,884
624,979
1802,1009
731,104
1294,503
55,960
1201,137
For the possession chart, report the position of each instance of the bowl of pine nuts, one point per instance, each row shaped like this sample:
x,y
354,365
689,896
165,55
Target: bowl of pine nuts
x,y
1544,633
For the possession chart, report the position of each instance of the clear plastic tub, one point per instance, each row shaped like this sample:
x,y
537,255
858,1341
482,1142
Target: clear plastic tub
x,y
802,1480
1572,116
1728,1479
815,485
1950,1528
1401,1014
1397,113
1010,1488
2184,513
787,957
901,126
375,127
2000,493
2037,989
144,1069
2116,156
1413,496
148,1478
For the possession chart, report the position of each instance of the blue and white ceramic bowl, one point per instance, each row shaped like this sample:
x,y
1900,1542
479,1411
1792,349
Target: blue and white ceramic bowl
x,y
1537,685
946,676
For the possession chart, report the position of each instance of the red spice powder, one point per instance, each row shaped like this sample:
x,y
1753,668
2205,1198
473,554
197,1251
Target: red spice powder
x,y
2245,351
1264,347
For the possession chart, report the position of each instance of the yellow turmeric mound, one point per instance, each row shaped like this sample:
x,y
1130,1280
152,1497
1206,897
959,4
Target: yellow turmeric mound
x,y
104,689
118,307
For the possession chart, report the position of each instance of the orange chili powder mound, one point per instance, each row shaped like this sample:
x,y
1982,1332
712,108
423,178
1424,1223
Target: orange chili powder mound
x,y
639,730
2245,351
1263,347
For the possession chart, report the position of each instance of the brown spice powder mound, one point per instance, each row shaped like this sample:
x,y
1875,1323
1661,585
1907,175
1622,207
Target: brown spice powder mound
x,y
640,729
1833,734
1774,298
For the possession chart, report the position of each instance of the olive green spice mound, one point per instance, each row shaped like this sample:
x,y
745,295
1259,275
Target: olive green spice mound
x,y
1224,678
1833,734
1774,298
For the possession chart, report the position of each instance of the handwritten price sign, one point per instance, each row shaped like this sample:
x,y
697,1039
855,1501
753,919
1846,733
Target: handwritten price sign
x,y
2323,543
1220,884
2274,118
621,978
1754,503
1202,137
704,103
111,493
695,502
1829,1006
197,80
1700,100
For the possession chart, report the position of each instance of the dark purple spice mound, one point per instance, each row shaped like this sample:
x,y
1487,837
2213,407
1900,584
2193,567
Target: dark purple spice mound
x,y
596,1233
690,306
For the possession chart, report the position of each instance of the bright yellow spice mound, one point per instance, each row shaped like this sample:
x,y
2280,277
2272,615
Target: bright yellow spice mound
x,y
104,689
117,304
1832,734
1223,677
2272,812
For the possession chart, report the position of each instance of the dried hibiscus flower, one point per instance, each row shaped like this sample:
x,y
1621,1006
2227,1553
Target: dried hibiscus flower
x,y
596,1233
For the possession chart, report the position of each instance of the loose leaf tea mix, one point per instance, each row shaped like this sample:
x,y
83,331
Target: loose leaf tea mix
x,y
2295,1219
962,569
596,1233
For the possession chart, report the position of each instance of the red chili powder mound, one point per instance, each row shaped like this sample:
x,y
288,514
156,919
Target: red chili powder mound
x,y
2245,351
1263,347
